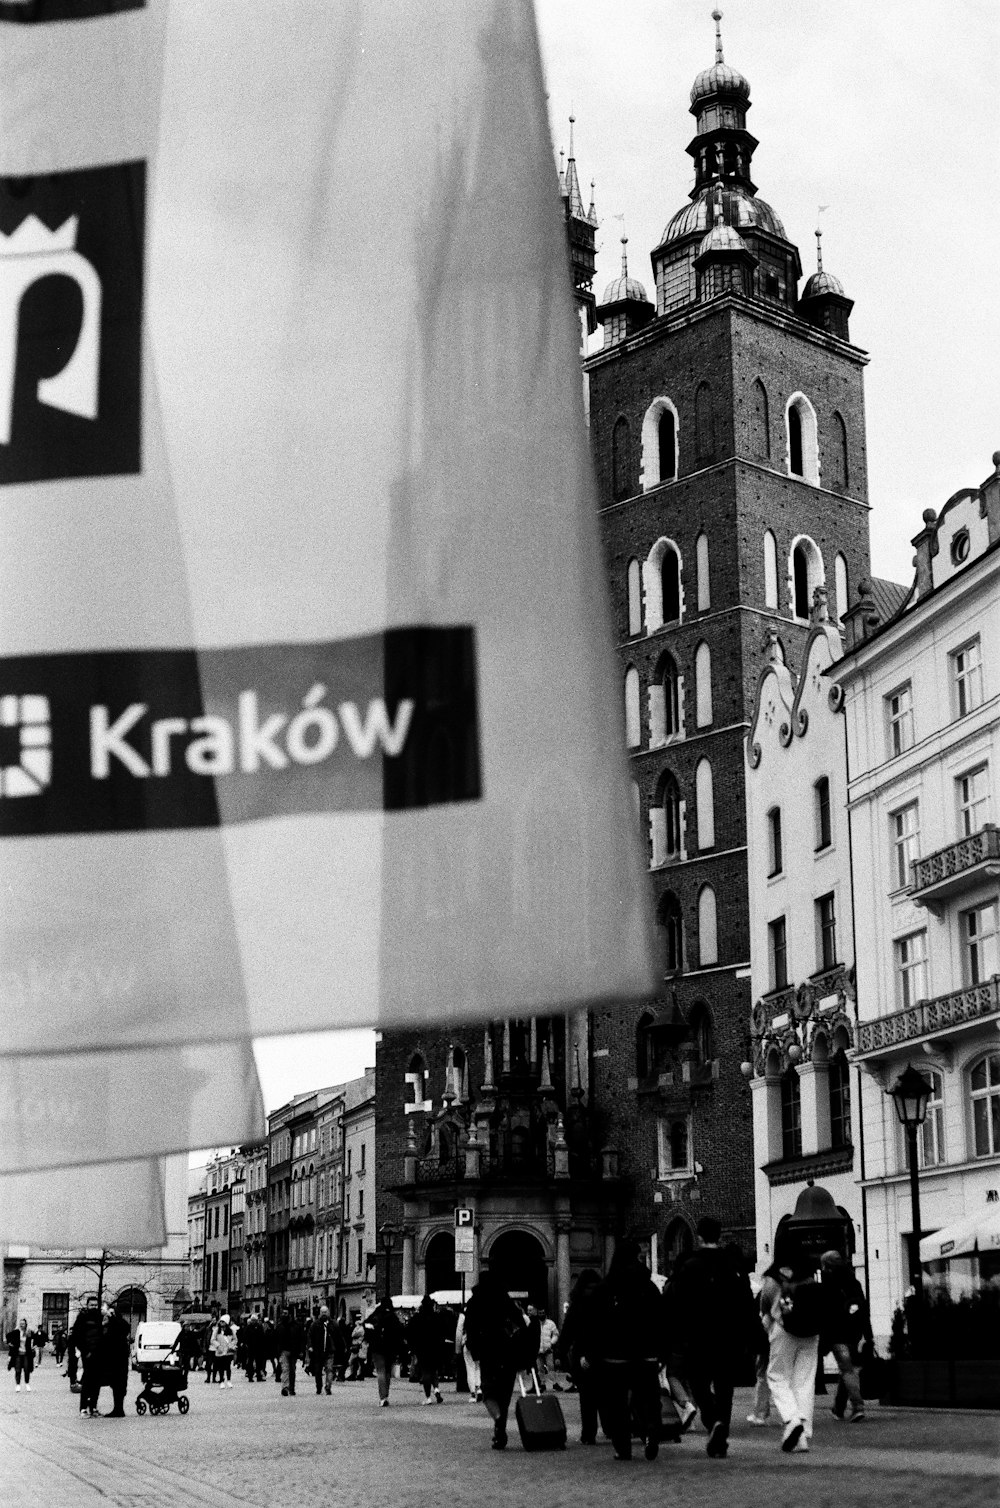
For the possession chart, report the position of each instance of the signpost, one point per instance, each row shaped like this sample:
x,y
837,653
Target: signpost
x,y
465,1242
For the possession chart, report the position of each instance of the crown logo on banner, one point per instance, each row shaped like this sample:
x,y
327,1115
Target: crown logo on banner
x,y
32,238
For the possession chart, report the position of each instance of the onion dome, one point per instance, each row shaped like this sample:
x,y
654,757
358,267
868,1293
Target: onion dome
x,y
720,78
741,210
822,282
624,287
721,238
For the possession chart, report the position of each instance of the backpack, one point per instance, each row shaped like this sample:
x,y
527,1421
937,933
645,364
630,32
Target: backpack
x,y
800,1308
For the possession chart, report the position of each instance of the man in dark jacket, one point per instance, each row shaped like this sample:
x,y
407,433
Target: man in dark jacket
x,y
113,1358
383,1334
85,1339
289,1340
847,1327
501,1339
624,1339
423,1336
712,1308
324,1346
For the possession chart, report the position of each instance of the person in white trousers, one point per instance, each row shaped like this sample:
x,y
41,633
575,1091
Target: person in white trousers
x,y
791,1368
471,1364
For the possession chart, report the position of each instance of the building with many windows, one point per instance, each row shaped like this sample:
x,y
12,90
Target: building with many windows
x,y
359,1238
255,1228
921,693
805,1093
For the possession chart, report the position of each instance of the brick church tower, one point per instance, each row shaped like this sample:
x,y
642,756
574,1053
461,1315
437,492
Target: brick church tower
x,y
727,424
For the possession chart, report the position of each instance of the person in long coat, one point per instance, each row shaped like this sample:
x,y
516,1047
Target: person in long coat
x,y
384,1337
625,1341
501,1339
423,1336
21,1354
85,1338
569,1351
113,1359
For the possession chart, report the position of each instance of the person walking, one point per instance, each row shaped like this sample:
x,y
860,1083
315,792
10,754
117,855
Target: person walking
x,y
796,1319
714,1309
113,1359
770,1291
471,1364
846,1328
625,1340
384,1337
501,1340
323,1349
223,1344
582,1376
289,1339
59,1344
21,1355
548,1337
423,1337
85,1338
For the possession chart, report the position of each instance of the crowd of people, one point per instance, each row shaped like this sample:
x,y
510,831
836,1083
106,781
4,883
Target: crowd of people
x,y
636,1355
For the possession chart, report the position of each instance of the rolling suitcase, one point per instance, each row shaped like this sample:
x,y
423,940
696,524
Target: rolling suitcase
x,y
540,1419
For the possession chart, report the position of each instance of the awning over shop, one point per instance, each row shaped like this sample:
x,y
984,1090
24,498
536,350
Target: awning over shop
x,y
979,1232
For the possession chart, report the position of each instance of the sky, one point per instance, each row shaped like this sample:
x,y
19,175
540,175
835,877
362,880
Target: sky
x,y
888,115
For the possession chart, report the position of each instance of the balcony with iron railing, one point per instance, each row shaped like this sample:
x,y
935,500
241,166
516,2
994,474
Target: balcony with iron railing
x,y
957,867
928,1019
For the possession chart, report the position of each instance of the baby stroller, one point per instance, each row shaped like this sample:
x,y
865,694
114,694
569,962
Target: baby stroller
x,y
164,1377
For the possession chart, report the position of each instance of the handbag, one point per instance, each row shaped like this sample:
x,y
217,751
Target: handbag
x,y
873,1373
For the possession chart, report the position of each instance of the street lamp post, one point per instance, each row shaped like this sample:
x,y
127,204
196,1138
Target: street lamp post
x,y
387,1235
910,1094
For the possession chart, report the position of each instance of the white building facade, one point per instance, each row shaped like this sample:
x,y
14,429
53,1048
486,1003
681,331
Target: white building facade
x,y
803,1022
921,696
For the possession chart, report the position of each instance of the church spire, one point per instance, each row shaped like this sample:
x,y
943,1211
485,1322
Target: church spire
x,y
581,233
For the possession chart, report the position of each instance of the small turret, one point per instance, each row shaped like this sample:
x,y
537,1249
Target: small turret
x,y
823,302
624,307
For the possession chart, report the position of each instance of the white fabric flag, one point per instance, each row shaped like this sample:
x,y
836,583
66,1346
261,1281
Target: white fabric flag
x,y
111,1204
308,712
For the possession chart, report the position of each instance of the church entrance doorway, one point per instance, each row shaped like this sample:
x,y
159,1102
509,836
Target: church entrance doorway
x,y
517,1259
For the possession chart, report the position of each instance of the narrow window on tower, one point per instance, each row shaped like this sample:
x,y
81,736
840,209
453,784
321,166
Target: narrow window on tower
x,y
634,598
774,852
823,827
619,459
669,919
794,442
633,731
840,586
705,802
704,585
708,930
704,423
671,582
703,685
770,570
667,444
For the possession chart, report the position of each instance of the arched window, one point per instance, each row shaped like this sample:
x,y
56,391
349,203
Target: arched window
x,y
667,445
703,1032
678,1145
704,423
634,598
840,586
760,423
708,929
704,585
806,575
705,800
840,1100
670,579
662,585
633,732
664,701
460,1073
665,822
984,1083
791,1114
644,1054
671,926
619,459
703,685
660,430
803,448
841,468
770,570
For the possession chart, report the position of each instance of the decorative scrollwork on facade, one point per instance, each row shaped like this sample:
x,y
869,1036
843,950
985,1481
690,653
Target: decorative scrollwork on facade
x,y
785,735
801,722
835,698
753,755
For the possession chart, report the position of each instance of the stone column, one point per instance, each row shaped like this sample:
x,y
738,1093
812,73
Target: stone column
x,y
409,1273
563,1227
766,1100
814,1087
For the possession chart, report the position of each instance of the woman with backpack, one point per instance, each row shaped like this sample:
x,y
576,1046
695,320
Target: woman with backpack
x,y
794,1325
384,1336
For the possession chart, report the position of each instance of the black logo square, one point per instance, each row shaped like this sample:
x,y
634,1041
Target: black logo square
x,y
71,281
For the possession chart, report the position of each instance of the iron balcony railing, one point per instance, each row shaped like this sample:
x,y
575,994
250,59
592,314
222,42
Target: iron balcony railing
x,y
956,866
928,1018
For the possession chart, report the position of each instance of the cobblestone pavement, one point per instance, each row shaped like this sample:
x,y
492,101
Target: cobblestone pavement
x,y
249,1445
